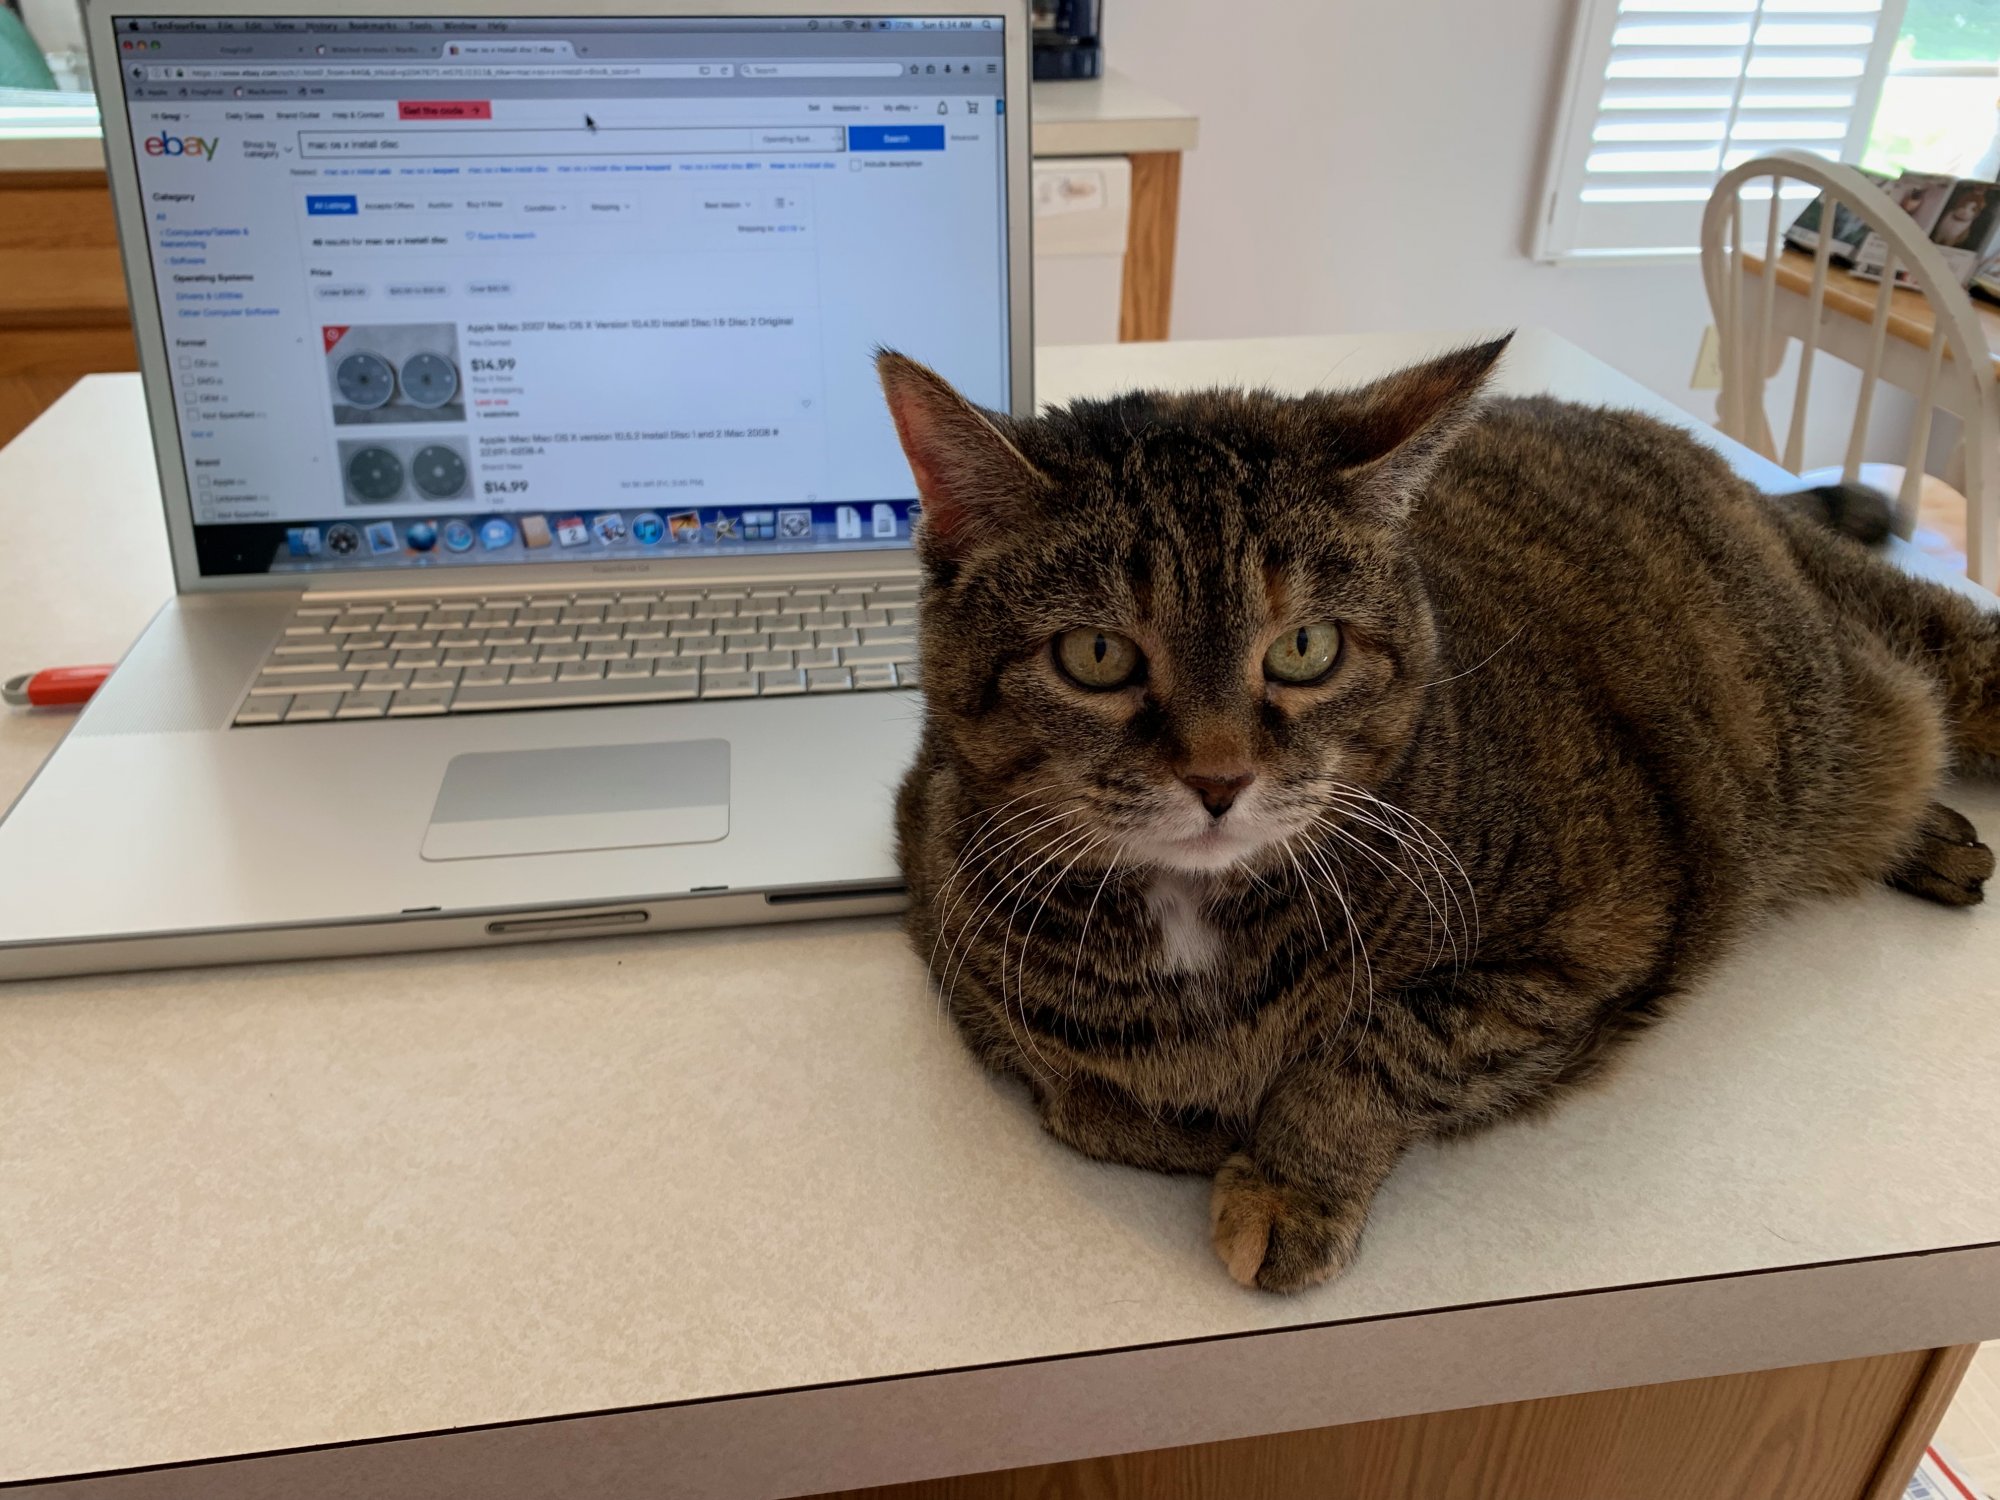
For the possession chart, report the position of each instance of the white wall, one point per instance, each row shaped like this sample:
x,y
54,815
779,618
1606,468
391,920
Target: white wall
x,y
1369,164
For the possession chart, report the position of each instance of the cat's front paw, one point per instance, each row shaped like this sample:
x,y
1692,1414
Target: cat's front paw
x,y
1948,865
1279,1238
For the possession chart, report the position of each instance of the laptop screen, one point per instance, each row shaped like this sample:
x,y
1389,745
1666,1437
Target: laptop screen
x,y
458,291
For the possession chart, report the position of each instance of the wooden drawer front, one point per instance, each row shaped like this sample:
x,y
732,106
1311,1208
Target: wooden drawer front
x,y
38,364
58,252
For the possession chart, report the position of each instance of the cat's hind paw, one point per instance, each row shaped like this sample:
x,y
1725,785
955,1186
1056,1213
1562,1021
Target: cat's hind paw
x,y
1277,1238
1948,865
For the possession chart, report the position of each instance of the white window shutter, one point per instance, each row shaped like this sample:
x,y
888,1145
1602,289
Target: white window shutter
x,y
1664,96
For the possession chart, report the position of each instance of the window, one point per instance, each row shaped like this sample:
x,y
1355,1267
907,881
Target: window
x,y
1938,102
1664,96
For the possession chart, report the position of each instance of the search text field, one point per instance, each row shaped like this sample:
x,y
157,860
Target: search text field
x,y
820,69
690,140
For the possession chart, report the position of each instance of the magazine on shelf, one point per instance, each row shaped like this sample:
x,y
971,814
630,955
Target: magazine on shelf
x,y
1849,228
1968,231
1961,217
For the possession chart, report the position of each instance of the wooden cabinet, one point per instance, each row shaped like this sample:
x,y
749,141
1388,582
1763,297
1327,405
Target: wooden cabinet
x,y
62,290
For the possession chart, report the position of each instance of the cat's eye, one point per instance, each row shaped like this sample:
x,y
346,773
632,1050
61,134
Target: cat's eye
x,y
1303,654
1098,659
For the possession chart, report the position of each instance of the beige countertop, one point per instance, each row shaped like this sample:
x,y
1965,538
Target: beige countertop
x,y
732,1215
1109,116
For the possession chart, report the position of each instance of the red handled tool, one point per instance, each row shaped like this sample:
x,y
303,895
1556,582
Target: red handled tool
x,y
53,687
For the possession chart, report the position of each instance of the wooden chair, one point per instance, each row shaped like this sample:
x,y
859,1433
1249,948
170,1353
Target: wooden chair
x,y
1758,315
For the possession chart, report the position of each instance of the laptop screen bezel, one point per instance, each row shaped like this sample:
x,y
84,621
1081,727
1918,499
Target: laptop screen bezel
x,y
101,18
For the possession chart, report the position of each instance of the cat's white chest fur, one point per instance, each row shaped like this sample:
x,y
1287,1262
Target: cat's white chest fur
x,y
1189,942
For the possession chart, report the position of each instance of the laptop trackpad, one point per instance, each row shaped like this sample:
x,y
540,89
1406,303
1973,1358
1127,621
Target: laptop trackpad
x,y
581,798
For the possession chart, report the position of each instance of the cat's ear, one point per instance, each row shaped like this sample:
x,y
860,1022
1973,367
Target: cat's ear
x,y
1390,435
972,480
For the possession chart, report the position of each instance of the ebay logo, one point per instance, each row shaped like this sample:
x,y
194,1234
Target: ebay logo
x,y
182,145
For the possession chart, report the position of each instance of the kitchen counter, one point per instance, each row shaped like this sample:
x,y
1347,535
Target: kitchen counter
x,y
732,1215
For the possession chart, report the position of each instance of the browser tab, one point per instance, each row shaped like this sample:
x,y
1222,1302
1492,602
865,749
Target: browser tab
x,y
517,48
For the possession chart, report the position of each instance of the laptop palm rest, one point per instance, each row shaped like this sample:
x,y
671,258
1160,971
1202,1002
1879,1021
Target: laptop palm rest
x,y
580,798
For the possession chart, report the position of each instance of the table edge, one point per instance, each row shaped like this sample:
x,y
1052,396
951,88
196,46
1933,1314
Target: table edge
x,y
1062,138
886,1429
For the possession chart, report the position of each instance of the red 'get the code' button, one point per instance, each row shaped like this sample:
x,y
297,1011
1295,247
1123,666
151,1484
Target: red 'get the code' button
x,y
445,109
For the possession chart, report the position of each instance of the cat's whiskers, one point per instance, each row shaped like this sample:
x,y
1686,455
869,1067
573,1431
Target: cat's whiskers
x,y
1441,681
1255,879
1410,834
1305,885
1430,836
1357,940
1089,912
991,813
973,849
983,907
1432,841
1019,880
945,976
1027,938
1439,932
1312,901
963,943
990,899
989,829
1329,881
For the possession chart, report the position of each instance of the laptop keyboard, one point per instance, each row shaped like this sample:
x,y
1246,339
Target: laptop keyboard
x,y
403,658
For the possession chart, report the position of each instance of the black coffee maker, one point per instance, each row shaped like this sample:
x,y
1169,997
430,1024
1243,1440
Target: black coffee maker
x,y
1066,39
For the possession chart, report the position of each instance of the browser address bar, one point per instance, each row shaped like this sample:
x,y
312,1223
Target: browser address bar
x,y
666,140
346,72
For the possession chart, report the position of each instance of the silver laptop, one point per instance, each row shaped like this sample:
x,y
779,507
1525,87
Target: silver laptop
x,y
541,542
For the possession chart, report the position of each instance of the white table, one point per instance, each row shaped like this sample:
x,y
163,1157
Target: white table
x,y
733,1215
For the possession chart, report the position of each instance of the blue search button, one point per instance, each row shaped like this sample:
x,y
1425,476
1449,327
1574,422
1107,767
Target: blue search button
x,y
895,138
331,203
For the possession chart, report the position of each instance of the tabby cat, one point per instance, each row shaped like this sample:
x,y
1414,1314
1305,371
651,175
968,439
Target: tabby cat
x,y
1302,778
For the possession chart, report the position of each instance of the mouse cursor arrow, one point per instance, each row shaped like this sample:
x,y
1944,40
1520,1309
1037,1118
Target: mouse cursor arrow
x,y
588,123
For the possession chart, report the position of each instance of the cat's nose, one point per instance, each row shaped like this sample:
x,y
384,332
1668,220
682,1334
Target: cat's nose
x,y
1218,792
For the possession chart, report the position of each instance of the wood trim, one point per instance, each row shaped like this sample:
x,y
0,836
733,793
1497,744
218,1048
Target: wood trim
x,y
59,319
1935,1388
1910,316
1147,297
1812,1432
86,180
